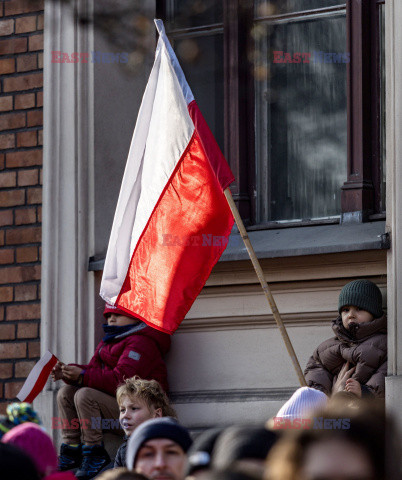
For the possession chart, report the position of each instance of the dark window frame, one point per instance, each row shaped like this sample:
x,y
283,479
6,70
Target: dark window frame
x,y
361,192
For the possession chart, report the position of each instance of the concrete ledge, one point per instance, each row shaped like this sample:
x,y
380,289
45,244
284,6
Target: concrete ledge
x,y
313,240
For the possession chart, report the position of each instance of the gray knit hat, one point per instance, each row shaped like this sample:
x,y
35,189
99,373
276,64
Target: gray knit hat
x,y
165,427
363,294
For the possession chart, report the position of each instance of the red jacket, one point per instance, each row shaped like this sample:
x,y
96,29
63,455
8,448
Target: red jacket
x,y
140,353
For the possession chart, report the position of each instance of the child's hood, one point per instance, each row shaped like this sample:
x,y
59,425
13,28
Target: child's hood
x,y
358,332
163,340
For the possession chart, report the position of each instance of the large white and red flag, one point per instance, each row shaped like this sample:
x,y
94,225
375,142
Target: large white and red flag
x,y
172,220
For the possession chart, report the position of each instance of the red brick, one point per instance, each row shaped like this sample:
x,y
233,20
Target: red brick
x,y
11,198
26,63
7,179
40,139
23,369
35,42
35,118
20,274
20,236
2,236
6,255
7,27
11,389
28,158
3,406
24,216
23,312
27,255
6,370
7,141
39,99
40,214
13,45
25,24
40,60
34,195
27,139
6,217
6,294
24,292
6,103
15,7
7,65
28,177
34,349
40,25
9,121
24,82
2,162
27,330
12,350
24,101
7,332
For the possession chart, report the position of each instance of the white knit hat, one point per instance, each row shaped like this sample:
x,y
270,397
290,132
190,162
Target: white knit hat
x,y
302,403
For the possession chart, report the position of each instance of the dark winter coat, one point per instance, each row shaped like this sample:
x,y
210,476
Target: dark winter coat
x,y
363,345
120,458
138,353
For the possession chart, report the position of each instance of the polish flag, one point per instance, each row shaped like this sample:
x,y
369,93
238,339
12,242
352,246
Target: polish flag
x,y
37,378
172,220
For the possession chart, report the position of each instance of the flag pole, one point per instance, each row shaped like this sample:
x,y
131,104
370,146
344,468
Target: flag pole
x,y
265,286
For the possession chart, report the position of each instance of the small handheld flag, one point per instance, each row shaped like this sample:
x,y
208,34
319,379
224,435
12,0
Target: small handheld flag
x,y
37,378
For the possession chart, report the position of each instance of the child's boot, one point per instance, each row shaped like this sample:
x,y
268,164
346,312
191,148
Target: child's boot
x,y
70,457
94,459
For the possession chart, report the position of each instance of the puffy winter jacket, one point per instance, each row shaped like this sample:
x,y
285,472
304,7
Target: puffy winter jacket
x,y
139,353
363,345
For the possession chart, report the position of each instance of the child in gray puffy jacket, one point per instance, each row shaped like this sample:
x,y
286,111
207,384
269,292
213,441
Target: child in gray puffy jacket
x,y
358,352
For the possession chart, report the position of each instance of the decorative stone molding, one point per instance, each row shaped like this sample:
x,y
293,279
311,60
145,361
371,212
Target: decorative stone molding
x,y
67,290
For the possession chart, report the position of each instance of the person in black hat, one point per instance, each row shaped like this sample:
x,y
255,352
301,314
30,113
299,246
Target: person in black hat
x,y
355,360
158,449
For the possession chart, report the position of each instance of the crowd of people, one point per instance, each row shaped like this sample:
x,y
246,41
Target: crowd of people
x,y
335,428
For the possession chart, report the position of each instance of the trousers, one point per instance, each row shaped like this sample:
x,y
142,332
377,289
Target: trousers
x,y
85,413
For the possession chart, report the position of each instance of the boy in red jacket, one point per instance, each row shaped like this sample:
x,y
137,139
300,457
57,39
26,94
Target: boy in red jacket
x,y
87,404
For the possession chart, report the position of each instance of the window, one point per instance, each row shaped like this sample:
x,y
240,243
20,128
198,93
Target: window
x,y
294,92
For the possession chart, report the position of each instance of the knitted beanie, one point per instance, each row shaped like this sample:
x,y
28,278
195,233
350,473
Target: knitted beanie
x,y
21,412
199,455
302,403
36,443
242,442
165,427
363,294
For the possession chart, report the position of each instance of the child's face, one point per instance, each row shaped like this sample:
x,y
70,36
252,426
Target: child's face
x,y
134,411
351,314
120,320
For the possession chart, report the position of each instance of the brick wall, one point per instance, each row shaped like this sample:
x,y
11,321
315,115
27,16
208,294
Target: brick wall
x,y
21,101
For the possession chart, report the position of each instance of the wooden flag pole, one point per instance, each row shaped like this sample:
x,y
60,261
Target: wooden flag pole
x,y
265,287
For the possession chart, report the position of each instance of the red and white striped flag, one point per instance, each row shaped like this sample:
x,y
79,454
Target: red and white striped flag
x,y
172,220
37,378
